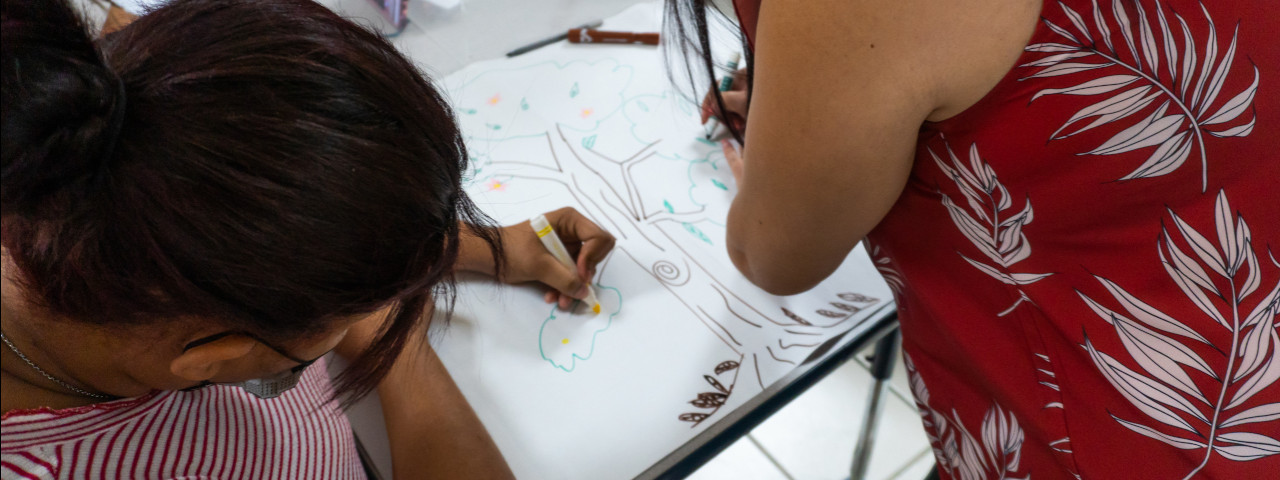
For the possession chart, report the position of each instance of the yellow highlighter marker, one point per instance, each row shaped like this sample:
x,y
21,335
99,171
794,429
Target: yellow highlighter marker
x,y
552,241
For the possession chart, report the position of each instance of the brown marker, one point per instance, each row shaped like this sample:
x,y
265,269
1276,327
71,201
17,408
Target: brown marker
x,y
586,35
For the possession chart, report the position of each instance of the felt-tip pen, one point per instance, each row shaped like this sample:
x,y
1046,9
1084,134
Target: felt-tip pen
x,y
726,83
552,241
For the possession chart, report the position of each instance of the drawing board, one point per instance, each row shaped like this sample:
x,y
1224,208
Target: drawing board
x,y
683,338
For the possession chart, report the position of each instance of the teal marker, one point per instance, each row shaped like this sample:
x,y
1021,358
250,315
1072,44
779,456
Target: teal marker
x,y
725,84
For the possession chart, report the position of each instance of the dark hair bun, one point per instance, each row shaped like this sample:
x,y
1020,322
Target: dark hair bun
x,y
62,109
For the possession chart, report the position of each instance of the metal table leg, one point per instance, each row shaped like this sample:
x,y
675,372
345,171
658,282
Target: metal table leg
x,y
883,359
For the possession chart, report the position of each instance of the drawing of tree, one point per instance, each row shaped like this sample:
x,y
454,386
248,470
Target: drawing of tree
x,y
595,152
675,235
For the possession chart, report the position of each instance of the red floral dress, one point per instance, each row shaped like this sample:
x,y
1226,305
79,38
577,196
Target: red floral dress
x,y
1087,261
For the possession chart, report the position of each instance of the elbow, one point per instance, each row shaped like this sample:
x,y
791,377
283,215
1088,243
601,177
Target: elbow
x,y
773,276
783,287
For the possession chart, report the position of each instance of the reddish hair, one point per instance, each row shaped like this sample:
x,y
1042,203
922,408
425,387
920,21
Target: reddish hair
x,y
267,166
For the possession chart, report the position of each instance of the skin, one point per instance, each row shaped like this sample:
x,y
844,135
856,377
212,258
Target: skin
x,y
117,18
841,90
423,408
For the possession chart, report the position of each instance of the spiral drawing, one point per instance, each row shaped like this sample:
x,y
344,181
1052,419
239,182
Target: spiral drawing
x,y
669,273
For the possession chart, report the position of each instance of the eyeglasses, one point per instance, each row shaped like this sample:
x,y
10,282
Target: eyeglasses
x,y
264,388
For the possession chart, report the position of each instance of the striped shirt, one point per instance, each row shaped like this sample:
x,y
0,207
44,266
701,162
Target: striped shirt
x,y
218,432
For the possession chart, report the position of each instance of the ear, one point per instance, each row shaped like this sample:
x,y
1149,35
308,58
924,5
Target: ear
x,y
205,361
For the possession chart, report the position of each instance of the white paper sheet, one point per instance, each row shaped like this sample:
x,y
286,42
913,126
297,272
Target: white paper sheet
x,y
683,338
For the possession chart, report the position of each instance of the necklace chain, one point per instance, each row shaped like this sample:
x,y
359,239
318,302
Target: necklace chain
x,y
46,374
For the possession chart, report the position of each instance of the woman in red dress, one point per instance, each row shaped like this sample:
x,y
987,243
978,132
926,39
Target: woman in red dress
x,y
1073,202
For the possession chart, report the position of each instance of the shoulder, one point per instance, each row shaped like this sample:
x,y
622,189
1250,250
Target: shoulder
x,y
946,54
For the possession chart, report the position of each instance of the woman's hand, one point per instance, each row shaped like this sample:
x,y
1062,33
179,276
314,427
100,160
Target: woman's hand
x,y
527,260
735,102
733,156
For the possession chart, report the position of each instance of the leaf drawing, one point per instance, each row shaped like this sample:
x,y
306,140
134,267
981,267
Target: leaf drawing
x,y
712,400
846,307
1220,279
798,319
709,400
1182,98
857,297
715,383
992,226
996,454
695,417
726,366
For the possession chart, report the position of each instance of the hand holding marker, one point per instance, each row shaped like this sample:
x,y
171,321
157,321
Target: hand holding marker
x,y
552,241
726,83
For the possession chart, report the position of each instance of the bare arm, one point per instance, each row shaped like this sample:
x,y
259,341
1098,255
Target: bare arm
x,y
433,430
841,90
834,118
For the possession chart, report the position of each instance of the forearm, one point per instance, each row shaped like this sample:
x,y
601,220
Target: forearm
x,y
474,254
434,432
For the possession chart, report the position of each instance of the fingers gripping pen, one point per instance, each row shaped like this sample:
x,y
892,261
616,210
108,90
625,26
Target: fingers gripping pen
x,y
726,83
552,241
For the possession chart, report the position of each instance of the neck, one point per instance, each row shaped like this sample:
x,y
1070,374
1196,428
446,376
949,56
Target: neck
x,y
24,387
76,354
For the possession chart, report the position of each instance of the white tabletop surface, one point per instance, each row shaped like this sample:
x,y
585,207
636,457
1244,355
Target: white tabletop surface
x,y
445,39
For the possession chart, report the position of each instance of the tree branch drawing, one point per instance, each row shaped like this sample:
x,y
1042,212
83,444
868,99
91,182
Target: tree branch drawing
x,y
1164,389
608,143
606,192
992,227
1186,111
997,456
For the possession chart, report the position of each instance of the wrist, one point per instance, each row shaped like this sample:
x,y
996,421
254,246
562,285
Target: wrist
x,y
474,255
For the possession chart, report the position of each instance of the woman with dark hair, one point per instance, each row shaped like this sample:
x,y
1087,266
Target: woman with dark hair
x,y
1138,339
199,208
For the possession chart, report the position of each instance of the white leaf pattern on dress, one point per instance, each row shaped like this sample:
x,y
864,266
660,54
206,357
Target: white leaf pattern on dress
x,y
1177,125
1163,390
996,232
884,265
997,456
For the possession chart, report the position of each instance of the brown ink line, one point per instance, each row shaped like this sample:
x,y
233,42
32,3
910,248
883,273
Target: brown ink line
x,y
730,308
756,363
636,226
616,227
784,347
552,148
715,281
642,150
775,357
722,327
602,157
686,304
584,163
668,215
802,333
629,179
